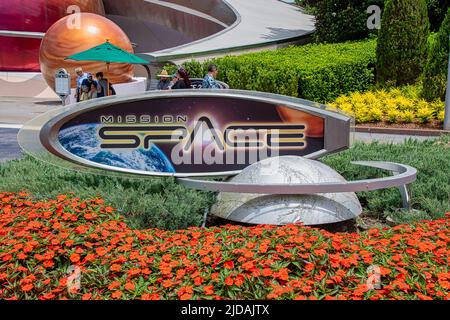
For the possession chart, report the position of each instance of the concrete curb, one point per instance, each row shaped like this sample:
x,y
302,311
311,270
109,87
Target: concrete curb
x,y
400,131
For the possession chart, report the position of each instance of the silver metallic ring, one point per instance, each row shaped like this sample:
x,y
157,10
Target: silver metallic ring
x,y
402,175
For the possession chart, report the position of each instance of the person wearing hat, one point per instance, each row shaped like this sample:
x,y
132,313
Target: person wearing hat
x,y
164,81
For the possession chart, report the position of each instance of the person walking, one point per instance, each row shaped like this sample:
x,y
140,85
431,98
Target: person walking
x,y
164,81
103,84
209,82
80,77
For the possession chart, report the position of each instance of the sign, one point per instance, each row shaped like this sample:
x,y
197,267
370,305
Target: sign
x,y
192,132
62,83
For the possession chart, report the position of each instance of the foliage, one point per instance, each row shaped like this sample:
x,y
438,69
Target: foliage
x,y
161,203
436,12
399,105
149,202
435,73
315,72
402,42
41,241
431,191
343,20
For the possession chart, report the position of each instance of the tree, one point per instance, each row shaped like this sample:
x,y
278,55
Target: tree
x,y
435,73
341,20
436,12
402,42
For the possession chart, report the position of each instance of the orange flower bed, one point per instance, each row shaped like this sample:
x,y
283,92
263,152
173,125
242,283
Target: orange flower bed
x,y
68,248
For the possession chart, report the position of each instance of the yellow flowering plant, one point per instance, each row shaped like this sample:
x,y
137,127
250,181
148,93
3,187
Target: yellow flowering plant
x,y
398,105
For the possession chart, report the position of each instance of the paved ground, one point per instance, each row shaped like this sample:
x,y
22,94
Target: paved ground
x,y
261,22
9,148
15,110
386,138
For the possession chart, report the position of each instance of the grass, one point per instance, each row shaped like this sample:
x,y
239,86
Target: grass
x,y
162,203
149,202
431,191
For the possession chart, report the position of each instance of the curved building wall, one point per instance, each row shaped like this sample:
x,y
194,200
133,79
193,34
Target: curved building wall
x,y
22,54
193,27
152,24
217,9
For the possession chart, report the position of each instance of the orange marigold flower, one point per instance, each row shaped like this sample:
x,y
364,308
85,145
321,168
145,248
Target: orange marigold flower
x,y
150,296
109,209
75,257
229,265
185,293
198,281
114,285
229,281
206,260
167,283
116,294
130,286
27,287
115,267
444,284
267,272
215,275
209,290
101,251
22,256
239,281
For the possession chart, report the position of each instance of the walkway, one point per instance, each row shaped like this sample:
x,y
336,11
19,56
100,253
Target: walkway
x,y
260,24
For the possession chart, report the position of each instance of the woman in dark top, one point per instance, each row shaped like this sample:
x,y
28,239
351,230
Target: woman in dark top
x,y
181,80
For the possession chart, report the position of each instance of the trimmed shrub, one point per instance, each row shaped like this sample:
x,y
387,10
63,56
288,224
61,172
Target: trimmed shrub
x,y
436,12
402,42
399,105
315,72
435,73
342,20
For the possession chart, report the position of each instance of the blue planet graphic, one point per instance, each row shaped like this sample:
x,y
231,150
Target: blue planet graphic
x,y
83,141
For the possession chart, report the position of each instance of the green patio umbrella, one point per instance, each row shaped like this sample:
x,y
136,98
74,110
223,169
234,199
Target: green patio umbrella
x,y
108,53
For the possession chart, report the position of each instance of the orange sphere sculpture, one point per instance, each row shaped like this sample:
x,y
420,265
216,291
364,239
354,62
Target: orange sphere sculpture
x,y
22,54
66,38
315,126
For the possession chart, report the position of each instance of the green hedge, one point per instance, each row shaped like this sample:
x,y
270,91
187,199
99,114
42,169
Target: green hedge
x,y
342,20
317,72
402,42
435,72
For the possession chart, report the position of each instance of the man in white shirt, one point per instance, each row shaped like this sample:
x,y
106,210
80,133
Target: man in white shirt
x,y
80,77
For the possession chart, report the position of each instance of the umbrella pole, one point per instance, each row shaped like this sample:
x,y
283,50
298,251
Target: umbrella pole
x,y
107,79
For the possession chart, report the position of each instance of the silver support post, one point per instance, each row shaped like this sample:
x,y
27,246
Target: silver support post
x,y
447,97
205,217
149,77
406,197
